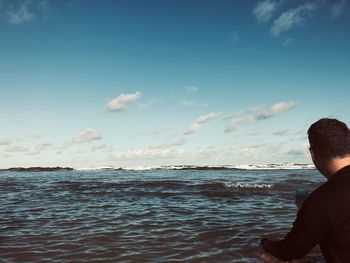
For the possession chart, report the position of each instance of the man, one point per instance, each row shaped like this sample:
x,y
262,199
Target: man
x,y
324,218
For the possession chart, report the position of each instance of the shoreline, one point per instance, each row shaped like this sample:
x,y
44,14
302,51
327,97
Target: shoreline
x,y
174,167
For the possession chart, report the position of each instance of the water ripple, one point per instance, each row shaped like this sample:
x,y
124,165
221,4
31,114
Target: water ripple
x,y
151,216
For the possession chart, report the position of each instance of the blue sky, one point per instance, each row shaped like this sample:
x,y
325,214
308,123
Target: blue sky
x,y
128,83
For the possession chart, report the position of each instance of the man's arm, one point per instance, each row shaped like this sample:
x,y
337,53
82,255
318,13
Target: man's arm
x,y
309,229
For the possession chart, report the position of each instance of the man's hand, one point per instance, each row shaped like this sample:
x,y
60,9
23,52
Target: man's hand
x,y
268,258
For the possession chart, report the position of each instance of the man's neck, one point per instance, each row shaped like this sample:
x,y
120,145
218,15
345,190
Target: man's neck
x,y
336,164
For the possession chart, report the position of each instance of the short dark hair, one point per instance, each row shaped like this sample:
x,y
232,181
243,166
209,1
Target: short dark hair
x,y
329,138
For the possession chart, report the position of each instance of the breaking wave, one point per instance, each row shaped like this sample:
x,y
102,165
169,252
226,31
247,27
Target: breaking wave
x,y
248,185
280,166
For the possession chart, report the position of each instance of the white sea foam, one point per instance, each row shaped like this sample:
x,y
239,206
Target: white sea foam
x,y
247,185
141,168
95,168
282,166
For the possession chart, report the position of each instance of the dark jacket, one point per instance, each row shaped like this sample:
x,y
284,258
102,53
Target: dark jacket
x,y
323,219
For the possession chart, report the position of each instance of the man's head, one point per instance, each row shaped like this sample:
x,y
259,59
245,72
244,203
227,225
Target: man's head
x,y
329,140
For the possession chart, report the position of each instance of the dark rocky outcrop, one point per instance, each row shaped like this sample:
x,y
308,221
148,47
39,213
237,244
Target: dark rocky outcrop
x,y
39,169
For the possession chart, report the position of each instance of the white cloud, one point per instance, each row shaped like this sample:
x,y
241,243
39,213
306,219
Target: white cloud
x,y
177,143
292,17
253,150
122,102
44,7
160,131
4,141
148,104
281,132
202,120
192,104
32,150
276,109
43,146
256,114
296,152
212,155
337,9
235,36
266,153
180,142
166,151
288,41
191,89
36,136
17,15
263,153
17,149
22,12
63,146
102,147
148,153
166,132
300,150
264,10
87,135
188,103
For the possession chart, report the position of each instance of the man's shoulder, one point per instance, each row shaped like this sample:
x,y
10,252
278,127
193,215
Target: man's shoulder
x,y
320,191
320,196
330,193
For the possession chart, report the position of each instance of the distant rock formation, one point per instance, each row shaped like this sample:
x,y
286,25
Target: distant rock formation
x,y
39,169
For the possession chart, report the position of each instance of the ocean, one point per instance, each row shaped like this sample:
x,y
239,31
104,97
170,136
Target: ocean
x,y
154,215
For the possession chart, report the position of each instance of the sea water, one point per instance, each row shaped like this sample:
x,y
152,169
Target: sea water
x,y
147,216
